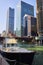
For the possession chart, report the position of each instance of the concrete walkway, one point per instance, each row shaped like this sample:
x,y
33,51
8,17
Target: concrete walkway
x,y
3,61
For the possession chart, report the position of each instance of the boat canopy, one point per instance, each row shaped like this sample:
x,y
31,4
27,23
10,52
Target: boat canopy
x,y
11,40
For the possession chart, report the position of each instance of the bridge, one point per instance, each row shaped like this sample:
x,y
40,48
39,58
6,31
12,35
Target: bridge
x,y
27,39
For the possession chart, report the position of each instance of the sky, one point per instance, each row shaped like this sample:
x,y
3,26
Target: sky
x,y
5,4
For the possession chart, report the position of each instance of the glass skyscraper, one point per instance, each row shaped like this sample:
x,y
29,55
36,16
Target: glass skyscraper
x,y
22,9
33,26
30,26
40,17
27,25
10,21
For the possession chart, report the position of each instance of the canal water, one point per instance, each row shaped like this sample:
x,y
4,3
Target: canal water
x,y
38,58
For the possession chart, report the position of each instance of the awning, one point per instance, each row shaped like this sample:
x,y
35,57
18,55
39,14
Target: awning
x,y
10,41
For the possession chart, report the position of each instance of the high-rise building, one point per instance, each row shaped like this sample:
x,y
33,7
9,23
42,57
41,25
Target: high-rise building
x,y
30,26
33,26
27,25
22,9
39,17
10,21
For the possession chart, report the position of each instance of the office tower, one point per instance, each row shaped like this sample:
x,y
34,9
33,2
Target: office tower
x,y
39,17
30,26
27,25
22,9
33,26
10,21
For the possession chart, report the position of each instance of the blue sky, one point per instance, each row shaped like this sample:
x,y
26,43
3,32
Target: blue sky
x,y
5,4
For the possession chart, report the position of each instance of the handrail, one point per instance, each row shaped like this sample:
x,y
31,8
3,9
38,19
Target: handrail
x,y
9,59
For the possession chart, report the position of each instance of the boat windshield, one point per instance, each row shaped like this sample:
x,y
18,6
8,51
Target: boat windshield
x,y
14,45
4,45
10,45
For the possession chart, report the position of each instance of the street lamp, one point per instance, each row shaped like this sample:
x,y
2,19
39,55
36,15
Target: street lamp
x,y
36,38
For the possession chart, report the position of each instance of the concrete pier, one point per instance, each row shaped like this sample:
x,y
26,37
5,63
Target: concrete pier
x,y
3,61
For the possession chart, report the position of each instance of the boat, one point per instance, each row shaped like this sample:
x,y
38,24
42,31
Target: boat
x,y
14,54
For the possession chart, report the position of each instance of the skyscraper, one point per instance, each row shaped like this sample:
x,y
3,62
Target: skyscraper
x,y
22,9
27,25
39,17
10,21
30,26
33,26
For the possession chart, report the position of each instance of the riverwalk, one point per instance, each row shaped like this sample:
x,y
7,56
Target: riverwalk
x,y
3,61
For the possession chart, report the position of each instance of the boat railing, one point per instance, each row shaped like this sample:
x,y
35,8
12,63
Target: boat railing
x,y
9,60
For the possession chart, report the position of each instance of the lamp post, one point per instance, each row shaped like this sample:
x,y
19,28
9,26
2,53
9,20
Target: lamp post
x,y
36,38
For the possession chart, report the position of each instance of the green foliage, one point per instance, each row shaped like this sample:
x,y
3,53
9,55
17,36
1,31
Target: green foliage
x,y
36,48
